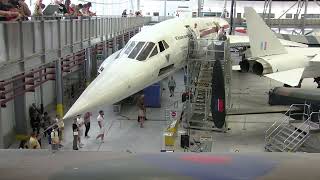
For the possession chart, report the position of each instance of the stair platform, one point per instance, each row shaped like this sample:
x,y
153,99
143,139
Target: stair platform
x,y
313,126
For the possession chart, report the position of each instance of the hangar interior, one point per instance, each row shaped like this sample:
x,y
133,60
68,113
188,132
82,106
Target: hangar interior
x,y
50,62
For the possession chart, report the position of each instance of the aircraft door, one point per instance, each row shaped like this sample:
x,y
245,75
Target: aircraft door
x,y
193,43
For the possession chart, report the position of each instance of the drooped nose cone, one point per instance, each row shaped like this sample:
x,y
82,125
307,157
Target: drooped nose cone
x,y
115,83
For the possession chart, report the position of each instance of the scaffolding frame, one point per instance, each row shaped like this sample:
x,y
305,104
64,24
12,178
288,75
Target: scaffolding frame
x,y
201,55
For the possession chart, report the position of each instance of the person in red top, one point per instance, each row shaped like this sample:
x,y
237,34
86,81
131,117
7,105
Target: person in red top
x,y
8,12
70,10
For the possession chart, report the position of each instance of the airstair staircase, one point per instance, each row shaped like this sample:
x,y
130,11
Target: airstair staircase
x,y
201,118
288,134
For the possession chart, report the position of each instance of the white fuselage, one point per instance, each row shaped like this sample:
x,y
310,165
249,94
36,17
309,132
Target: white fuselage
x,y
136,66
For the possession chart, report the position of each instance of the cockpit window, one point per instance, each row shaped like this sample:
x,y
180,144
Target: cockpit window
x,y
136,50
145,51
161,46
154,52
130,47
165,44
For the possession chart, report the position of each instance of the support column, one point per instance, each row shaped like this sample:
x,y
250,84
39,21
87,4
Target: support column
x,y
20,108
269,14
94,65
138,5
199,8
114,44
304,16
122,40
59,91
1,133
165,8
41,93
232,17
88,66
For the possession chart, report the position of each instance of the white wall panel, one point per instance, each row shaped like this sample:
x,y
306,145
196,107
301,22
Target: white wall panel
x,y
48,93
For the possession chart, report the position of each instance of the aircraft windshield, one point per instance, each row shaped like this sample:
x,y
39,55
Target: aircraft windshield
x,y
130,47
127,49
145,51
136,50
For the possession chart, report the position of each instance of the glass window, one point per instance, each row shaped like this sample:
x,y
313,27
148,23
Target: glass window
x,y
161,46
154,52
165,44
145,51
130,47
289,16
136,50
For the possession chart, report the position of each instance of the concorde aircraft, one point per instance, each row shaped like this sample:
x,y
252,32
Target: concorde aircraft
x,y
148,57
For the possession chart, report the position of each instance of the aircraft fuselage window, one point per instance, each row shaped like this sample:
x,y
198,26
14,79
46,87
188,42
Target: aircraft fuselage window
x,y
154,52
165,44
161,46
136,50
145,51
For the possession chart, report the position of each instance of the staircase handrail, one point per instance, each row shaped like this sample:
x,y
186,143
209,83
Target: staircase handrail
x,y
309,120
302,131
284,119
306,110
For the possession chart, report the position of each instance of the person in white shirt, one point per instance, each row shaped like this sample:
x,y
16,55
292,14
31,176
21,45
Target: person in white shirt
x,y
101,123
80,123
55,139
60,129
196,30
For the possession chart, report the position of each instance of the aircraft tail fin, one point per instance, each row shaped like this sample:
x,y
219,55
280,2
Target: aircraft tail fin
x,y
263,42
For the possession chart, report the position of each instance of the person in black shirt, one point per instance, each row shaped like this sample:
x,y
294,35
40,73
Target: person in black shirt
x,y
34,114
124,13
75,130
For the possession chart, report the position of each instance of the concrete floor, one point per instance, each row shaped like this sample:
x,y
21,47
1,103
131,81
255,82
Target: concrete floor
x,y
249,95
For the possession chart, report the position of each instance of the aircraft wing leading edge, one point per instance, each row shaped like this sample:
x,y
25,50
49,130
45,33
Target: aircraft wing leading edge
x,y
290,77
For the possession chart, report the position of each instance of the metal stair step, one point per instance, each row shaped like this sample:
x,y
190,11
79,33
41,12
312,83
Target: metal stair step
x,y
200,106
289,132
277,147
199,100
198,112
272,148
289,138
280,144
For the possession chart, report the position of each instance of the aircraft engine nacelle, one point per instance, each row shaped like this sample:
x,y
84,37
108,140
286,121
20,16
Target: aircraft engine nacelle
x,y
261,67
273,64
